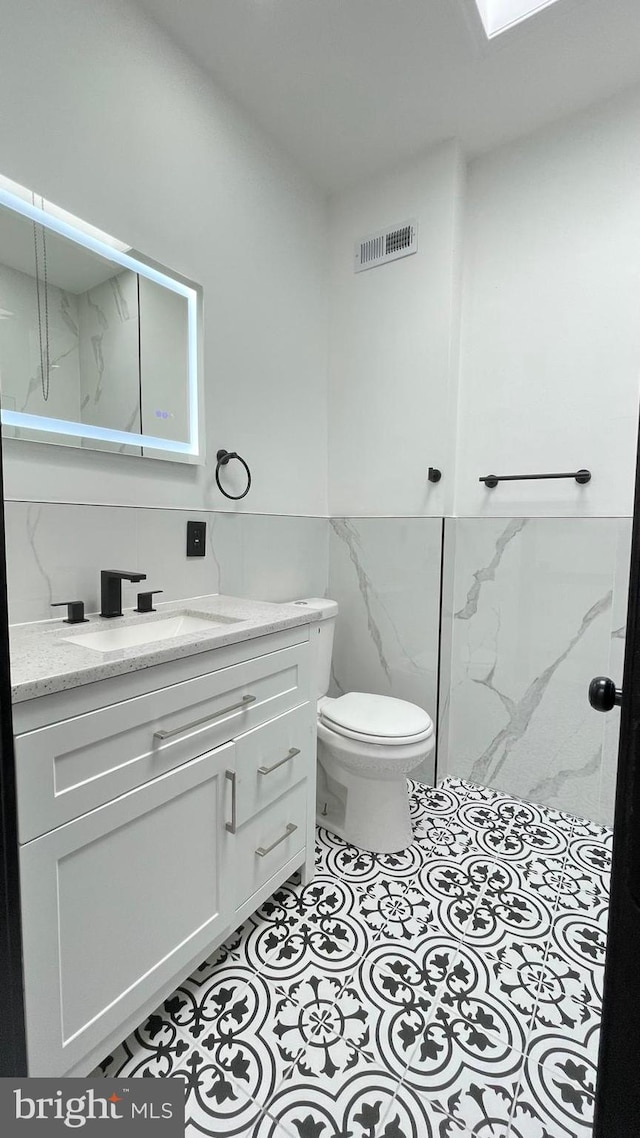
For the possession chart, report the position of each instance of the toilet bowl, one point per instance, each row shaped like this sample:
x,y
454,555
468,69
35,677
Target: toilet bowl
x,y
367,746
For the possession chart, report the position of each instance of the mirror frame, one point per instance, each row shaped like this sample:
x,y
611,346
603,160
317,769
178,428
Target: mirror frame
x,y
62,223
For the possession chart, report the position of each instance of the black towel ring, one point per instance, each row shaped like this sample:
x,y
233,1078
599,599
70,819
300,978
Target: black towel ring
x,y
223,457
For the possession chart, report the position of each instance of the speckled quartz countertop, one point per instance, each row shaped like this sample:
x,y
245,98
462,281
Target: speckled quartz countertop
x,y
45,659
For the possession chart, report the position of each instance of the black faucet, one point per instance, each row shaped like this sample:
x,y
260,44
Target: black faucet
x,y
111,589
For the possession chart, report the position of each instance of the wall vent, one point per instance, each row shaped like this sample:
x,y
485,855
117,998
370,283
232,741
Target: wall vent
x,y
387,245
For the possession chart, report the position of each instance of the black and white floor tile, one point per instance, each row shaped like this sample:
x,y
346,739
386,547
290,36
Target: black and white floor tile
x,y
450,990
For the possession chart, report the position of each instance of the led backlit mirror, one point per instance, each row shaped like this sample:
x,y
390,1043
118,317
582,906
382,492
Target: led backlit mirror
x,y
98,348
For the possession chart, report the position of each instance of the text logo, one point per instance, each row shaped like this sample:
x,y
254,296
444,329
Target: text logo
x,y
126,1106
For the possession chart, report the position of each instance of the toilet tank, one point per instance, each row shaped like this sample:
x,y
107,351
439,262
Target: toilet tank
x,y
321,633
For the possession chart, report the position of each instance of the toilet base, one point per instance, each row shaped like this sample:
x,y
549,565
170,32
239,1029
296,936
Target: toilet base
x,y
370,813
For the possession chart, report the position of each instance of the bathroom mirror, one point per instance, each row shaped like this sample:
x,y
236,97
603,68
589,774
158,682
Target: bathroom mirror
x,y
98,347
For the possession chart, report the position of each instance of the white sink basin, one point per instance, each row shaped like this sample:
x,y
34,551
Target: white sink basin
x,y
167,628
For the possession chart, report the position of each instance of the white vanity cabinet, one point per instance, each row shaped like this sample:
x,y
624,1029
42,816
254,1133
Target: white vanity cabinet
x,y
156,811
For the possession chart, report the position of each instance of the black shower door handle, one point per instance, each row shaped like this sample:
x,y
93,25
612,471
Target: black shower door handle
x,y
603,694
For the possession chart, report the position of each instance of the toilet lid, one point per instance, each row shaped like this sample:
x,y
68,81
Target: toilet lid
x,y
377,716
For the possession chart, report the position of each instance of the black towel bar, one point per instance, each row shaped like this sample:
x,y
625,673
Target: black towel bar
x,y
491,480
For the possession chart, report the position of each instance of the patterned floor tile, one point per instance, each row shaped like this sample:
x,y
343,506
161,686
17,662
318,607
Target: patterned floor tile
x,y
215,1104
581,941
328,924
439,803
576,889
377,1017
472,791
541,838
510,907
334,1034
563,980
242,1055
195,1004
456,885
343,1031
580,1023
593,857
453,1069
584,828
481,816
369,1104
251,944
153,1050
545,876
443,838
527,1123
557,1088
495,995
478,828
335,857
398,910
244,1013
476,1107
448,991
526,813
231,949
411,998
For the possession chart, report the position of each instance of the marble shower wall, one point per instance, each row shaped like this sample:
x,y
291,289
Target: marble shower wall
x,y
55,552
534,608
385,575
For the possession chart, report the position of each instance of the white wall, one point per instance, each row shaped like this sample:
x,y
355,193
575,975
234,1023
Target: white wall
x,y
393,344
105,117
550,358
122,129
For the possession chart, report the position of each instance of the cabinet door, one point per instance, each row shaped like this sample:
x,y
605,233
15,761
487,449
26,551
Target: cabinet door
x,y
118,904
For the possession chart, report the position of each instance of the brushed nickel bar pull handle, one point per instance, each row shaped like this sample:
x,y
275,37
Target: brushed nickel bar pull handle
x,y
262,851
244,702
233,824
293,751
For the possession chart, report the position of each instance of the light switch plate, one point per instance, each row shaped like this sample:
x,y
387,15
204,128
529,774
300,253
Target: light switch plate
x,y
196,539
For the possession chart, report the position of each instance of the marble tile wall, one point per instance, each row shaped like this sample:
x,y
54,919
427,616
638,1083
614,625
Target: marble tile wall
x,y
534,609
55,552
385,575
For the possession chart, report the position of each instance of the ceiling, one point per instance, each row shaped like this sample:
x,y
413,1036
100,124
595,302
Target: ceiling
x,y
351,87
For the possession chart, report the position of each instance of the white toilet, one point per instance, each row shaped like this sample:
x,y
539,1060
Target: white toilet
x,y
367,746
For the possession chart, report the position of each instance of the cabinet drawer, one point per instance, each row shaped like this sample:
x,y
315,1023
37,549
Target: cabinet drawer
x,y
70,767
269,840
273,758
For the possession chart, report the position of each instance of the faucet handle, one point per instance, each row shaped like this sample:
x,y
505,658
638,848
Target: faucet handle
x,y
145,601
75,611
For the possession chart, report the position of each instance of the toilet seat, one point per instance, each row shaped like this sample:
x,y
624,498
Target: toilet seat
x,y
375,719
